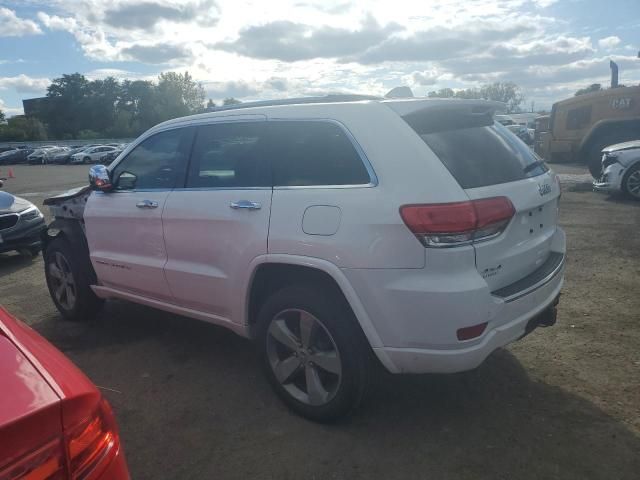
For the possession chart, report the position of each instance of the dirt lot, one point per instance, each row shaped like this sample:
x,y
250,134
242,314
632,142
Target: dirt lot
x,y
192,403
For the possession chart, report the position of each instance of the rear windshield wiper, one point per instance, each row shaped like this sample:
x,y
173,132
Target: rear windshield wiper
x,y
533,166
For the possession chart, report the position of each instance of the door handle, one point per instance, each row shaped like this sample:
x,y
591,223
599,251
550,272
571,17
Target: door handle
x,y
147,204
246,204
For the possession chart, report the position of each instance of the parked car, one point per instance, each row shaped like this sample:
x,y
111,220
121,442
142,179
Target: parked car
x,y
109,157
21,225
324,229
18,155
621,169
92,154
65,156
522,132
54,423
43,155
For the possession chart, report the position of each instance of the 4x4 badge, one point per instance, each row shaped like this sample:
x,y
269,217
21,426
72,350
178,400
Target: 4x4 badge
x,y
544,188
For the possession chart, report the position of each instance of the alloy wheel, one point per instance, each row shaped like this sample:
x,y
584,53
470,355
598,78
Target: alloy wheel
x,y
62,281
633,184
303,357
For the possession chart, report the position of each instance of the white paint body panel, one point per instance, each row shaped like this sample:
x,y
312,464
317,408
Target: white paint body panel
x,y
197,257
210,246
126,243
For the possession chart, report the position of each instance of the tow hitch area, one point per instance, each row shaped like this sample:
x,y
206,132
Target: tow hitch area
x,y
546,318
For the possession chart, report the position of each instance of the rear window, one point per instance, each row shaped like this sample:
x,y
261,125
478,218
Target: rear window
x,y
475,149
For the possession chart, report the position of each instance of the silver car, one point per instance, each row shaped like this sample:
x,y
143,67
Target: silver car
x,y
621,169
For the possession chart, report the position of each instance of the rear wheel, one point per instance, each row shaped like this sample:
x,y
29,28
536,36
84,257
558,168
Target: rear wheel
x,y
313,352
631,182
67,280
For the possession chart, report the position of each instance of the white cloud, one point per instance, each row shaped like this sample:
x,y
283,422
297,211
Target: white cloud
x,y
9,111
254,50
25,84
13,26
609,42
54,22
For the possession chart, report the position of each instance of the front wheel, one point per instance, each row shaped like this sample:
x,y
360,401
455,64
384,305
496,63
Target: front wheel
x,y
86,160
314,354
68,282
631,182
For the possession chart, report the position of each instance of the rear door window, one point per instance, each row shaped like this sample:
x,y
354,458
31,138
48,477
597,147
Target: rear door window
x,y
230,155
308,153
475,149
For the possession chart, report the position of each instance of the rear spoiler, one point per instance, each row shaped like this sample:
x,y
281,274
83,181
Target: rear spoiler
x,y
410,107
437,115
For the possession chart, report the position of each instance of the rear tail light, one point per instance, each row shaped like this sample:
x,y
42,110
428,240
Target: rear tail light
x,y
460,223
92,445
45,463
82,454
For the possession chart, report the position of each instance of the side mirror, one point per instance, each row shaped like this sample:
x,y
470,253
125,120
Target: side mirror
x,y
99,178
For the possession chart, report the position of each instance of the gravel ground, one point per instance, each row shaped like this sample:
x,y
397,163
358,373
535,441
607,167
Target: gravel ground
x,y
192,403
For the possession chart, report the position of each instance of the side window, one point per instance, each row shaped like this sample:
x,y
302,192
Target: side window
x,y
230,155
314,153
579,118
158,162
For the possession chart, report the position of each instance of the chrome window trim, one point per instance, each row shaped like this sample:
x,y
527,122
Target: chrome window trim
x,y
373,178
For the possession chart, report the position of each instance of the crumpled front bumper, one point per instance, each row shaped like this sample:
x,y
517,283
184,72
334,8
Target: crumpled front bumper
x,y
611,179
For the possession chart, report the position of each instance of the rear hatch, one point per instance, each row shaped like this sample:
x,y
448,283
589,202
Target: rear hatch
x,y
489,161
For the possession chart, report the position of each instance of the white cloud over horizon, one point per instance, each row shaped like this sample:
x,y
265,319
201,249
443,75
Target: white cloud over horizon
x,y
253,50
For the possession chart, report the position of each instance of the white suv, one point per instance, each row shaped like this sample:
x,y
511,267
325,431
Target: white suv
x,y
417,230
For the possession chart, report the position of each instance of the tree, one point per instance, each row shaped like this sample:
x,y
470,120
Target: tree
x,y
67,110
210,104
442,93
21,128
2,117
506,92
231,101
594,87
179,95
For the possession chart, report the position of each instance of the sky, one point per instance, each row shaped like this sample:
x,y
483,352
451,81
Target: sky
x,y
254,50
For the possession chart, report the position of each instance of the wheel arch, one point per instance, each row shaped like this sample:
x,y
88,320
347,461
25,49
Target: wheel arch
x,y
271,272
605,127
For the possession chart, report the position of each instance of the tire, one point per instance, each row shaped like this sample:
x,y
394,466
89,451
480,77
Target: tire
x,y
68,280
631,183
336,341
86,160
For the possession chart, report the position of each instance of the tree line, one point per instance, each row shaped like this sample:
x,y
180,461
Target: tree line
x,y
506,92
79,108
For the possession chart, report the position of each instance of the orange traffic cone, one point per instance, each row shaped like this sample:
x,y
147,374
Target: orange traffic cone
x,y
11,175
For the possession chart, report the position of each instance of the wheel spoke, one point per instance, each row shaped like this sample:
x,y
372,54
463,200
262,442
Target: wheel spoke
x,y
285,369
71,296
328,361
315,390
307,329
60,291
54,271
280,331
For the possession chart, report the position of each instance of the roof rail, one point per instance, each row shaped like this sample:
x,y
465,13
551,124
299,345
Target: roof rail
x,y
296,101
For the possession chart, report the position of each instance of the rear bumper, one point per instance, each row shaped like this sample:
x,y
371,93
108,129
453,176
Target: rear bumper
x,y
524,313
417,313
